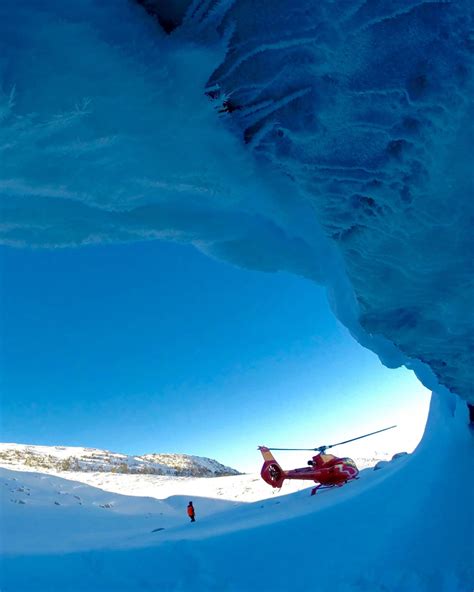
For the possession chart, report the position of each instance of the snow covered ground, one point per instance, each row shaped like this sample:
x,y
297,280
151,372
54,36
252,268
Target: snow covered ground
x,y
98,468
405,528
86,517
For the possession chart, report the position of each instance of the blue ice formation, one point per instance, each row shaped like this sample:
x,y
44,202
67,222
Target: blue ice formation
x,y
332,139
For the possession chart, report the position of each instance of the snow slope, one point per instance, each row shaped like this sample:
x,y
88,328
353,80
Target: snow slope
x,y
346,157
405,528
35,505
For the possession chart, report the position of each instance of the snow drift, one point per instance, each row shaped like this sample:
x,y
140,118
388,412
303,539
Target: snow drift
x,y
341,151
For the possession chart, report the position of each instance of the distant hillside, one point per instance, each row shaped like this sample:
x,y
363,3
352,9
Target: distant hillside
x,y
78,459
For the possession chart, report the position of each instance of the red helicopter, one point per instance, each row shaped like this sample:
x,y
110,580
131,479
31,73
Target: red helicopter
x,y
325,469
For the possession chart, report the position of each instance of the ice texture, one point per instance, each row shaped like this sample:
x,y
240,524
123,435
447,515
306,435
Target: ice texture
x,y
367,107
329,139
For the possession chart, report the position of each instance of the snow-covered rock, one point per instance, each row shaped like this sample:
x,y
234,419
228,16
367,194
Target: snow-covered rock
x,y
77,459
383,463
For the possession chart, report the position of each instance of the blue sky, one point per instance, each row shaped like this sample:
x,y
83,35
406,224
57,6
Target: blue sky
x,y
154,347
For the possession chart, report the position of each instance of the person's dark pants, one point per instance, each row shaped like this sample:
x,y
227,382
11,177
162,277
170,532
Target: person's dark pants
x,y
192,519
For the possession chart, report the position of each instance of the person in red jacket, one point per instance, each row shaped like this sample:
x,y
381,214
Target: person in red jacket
x,y
191,512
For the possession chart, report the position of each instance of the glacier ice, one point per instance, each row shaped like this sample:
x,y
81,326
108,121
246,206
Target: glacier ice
x,y
334,141
367,108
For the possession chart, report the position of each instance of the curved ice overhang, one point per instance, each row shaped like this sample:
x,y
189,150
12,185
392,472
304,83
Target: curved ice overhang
x,y
334,142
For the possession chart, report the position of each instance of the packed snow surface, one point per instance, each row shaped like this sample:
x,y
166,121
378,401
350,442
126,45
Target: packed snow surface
x,y
329,139
405,528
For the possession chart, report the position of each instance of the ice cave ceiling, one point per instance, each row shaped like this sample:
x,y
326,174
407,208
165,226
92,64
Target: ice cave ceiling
x,y
332,139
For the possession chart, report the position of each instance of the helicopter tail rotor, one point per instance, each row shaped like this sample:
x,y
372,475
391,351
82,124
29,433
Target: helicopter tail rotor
x,y
271,471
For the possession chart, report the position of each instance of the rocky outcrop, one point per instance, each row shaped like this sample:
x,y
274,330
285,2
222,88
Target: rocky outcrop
x,y
76,459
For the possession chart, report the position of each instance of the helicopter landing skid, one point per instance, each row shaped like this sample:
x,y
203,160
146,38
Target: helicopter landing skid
x,y
321,487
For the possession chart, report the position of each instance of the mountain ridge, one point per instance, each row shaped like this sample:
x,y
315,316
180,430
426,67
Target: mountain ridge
x,y
82,459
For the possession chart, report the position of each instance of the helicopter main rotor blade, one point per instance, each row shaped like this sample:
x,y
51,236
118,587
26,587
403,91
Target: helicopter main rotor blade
x,y
358,438
320,448
307,449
